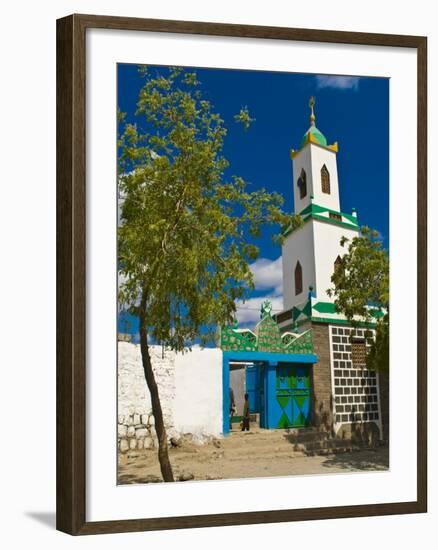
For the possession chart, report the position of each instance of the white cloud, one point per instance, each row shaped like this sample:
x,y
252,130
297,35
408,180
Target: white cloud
x,y
268,274
248,312
339,82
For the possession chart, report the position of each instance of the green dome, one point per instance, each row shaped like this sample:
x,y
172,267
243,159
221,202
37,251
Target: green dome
x,y
316,136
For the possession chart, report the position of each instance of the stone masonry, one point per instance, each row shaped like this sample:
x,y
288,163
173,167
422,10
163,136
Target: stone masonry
x,y
355,388
321,384
136,425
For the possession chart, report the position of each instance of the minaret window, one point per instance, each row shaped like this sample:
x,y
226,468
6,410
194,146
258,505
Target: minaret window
x,y
335,216
325,180
298,279
338,263
302,184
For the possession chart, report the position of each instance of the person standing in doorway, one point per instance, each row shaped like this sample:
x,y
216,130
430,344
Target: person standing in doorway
x,y
245,420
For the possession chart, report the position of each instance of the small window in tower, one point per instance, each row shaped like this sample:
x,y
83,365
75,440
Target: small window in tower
x,y
302,184
335,216
325,180
298,279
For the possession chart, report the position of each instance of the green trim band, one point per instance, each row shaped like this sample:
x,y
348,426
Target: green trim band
x,y
313,208
325,307
334,222
312,211
330,221
328,321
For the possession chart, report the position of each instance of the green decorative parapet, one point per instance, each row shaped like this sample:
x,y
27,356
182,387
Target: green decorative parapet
x,y
266,337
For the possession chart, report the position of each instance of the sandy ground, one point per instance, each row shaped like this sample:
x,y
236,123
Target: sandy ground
x,y
258,453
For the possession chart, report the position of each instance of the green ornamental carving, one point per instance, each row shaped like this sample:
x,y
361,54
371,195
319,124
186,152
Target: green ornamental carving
x,y
266,338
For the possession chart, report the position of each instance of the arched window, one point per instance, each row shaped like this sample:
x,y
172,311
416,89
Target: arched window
x,y
338,263
325,180
302,184
298,279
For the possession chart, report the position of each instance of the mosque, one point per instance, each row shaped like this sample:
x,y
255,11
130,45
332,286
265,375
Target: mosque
x,y
323,380
303,368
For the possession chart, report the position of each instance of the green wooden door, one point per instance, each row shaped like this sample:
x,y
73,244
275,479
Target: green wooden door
x,y
293,396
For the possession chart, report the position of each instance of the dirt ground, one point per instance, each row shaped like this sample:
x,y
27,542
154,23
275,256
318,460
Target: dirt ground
x,y
258,453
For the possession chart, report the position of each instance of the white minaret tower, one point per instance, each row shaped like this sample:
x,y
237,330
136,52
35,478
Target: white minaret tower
x,y
310,252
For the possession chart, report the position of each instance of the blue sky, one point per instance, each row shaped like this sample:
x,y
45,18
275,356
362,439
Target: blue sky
x,y
354,111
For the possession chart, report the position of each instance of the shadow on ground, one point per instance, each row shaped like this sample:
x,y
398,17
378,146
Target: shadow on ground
x,y
127,479
360,460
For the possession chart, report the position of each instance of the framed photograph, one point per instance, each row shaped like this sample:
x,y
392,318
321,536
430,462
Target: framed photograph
x,y
241,274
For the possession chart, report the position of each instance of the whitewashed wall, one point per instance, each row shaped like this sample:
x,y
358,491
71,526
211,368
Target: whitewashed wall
x,y
133,394
319,157
300,162
298,246
190,388
311,158
327,238
198,399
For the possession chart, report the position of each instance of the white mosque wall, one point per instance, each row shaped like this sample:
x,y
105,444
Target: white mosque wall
x,y
190,388
319,157
298,246
312,158
300,162
327,238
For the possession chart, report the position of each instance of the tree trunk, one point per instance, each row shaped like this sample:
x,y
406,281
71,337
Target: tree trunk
x,y
163,452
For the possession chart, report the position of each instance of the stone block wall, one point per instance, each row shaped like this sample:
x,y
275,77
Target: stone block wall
x,y
355,388
136,432
135,419
322,399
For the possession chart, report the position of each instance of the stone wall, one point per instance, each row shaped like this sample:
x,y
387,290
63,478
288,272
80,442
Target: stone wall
x,y
355,388
135,420
322,400
136,432
190,388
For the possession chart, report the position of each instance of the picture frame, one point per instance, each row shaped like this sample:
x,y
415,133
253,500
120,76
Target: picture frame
x,y
72,265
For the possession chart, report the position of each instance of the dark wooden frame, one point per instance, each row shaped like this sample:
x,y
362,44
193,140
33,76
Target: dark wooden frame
x,y
71,231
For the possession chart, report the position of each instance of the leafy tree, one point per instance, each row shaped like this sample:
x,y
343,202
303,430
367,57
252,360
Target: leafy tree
x,y
361,289
184,252
244,118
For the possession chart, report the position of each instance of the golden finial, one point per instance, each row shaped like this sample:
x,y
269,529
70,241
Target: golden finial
x,y
312,114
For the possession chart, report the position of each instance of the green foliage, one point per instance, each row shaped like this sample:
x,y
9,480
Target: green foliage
x,y
183,238
378,356
361,287
244,118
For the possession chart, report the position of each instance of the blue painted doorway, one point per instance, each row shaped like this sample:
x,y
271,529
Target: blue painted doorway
x,y
253,388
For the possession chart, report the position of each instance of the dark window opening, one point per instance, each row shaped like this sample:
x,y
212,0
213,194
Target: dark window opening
x,y
298,279
325,180
335,216
302,184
